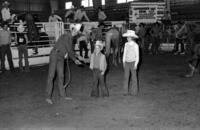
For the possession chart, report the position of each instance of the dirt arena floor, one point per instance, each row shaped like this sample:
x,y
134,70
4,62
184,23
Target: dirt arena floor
x,y
167,100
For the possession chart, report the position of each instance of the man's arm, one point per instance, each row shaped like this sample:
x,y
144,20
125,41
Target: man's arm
x,y
58,17
86,17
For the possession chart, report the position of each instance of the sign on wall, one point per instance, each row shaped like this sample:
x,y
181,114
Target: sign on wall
x,y
144,12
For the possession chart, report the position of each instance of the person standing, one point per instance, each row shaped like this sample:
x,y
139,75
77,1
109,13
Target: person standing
x,y
60,51
22,41
98,65
82,41
155,34
130,63
5,41
179,41
141,34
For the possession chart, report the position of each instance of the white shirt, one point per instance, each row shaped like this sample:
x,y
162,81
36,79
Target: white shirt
x,y
5,12
54,18
131,52
80,14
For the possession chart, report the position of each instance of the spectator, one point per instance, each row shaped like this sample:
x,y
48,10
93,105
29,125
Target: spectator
x,y
179,41
82,41
80,14
5,12
5,41
130,63
98,65
101,15
155,34
141,34
22,41
69,15
54,18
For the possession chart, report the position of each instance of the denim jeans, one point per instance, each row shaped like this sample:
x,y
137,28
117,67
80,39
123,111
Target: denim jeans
x,y
6,51
129,71
23,52
56,65
99,88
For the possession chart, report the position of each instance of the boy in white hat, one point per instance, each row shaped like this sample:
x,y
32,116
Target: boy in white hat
x,y
22,41
98,65
130,63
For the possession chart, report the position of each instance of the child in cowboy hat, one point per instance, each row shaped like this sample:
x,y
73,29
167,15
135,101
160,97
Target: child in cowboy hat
x,y
130,63
98,65
22,41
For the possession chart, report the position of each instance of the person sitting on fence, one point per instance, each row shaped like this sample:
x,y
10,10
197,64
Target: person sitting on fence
x,y
69,16
54,18
5,12
80,14
22,40
101,15
82,41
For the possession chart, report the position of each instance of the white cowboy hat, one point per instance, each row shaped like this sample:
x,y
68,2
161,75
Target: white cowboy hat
x,y
99,44
20,28
130,33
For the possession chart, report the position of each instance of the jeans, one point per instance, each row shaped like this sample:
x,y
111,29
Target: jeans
x,y
56,65
155,45
99,87
129,69
22,51
6,51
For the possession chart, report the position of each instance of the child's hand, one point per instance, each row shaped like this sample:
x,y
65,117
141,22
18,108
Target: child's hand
x,y
102,73
135,67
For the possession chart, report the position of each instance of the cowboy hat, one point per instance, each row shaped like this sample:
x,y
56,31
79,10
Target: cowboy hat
x,y
99,44
20,28
130,33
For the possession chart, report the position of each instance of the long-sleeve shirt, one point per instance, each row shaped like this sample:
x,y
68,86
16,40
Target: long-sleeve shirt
x,y
5,37
64,45
54,18
79,15
131,52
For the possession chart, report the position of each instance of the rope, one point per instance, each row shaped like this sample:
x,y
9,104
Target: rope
x,y
69,75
